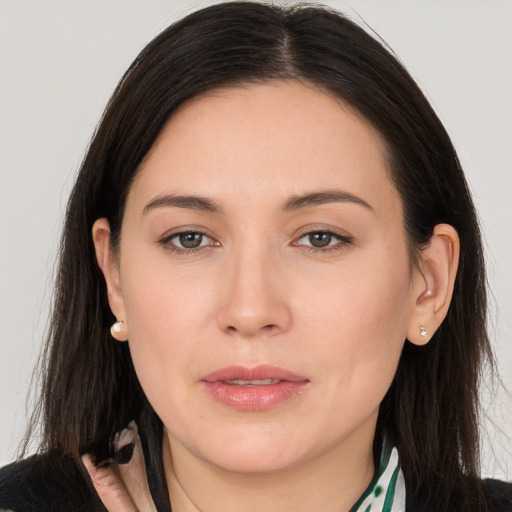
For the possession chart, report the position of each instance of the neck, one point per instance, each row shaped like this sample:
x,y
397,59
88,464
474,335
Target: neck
x,y
331,482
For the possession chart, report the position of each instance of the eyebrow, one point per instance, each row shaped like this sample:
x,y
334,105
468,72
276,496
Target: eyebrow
x,y
201,204
323,197
204,204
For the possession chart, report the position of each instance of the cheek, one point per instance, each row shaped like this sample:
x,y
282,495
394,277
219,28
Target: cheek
x,y
166,315
360,320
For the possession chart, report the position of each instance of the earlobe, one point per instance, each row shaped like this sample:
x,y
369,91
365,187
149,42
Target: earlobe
x,y
110,269
433,284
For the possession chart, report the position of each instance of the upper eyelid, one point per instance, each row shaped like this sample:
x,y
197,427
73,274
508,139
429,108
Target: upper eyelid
x,y
185,229
331,233
322,229
188,232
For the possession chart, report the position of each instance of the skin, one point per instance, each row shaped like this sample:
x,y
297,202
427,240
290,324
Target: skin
x,y
257,292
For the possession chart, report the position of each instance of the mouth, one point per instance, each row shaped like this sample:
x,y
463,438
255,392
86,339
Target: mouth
x,y
264,382
253,389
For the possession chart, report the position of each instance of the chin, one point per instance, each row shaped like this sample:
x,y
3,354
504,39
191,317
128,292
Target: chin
x,y
250,463
261,452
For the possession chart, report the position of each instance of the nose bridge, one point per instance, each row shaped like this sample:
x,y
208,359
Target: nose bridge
x,y
254,302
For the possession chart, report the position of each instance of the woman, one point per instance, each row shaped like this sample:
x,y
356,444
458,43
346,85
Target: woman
x,y
271,292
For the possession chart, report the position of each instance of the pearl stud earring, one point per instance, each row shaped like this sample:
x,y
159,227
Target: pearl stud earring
x,y
423,331
118,331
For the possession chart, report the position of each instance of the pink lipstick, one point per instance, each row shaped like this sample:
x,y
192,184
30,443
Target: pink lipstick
x,y
253,389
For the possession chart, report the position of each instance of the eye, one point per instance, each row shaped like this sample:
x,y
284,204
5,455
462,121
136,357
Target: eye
x,y
323,240
190,240
186,241
318,239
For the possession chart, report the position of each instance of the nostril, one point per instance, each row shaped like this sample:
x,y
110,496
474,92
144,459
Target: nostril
x,y
270,329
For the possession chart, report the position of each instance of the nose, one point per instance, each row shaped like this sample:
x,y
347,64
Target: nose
x,y
254,298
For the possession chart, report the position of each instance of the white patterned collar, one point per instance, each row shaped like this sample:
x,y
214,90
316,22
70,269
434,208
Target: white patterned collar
x,y
386,492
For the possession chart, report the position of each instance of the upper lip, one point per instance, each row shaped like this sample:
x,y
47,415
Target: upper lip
x,y
260,372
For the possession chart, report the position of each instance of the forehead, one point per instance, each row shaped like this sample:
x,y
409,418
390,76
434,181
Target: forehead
x,y
265,140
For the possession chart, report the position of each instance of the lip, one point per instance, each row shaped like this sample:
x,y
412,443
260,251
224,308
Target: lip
x,y
231,386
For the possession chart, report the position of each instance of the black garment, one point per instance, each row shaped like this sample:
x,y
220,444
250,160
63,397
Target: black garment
x,y
55,483
500,494
51,482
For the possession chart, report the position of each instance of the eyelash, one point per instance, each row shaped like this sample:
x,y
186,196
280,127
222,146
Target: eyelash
x,y
343,240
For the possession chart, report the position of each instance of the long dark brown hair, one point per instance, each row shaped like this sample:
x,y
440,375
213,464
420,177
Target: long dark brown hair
x,y
89,387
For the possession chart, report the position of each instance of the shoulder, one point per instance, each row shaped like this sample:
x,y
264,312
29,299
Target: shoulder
x,y
48,482
499,495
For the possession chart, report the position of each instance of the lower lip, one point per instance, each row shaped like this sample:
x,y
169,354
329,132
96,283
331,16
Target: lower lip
x,y
254,398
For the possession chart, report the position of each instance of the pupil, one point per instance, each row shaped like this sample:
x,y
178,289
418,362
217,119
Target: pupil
x,y
190,240
320,239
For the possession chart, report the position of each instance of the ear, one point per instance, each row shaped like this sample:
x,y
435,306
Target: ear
x,y
109,265
433,282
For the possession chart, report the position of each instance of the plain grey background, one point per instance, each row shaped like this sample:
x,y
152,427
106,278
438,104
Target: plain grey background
x,y
60,61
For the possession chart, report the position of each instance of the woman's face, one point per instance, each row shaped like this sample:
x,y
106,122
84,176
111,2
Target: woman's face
x,y
264,277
